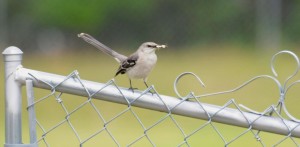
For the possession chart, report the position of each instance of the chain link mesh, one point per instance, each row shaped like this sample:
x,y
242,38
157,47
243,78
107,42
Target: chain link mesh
x,y
62,117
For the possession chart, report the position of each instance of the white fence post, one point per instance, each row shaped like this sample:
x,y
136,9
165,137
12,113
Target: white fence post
x,y
31,111
13,99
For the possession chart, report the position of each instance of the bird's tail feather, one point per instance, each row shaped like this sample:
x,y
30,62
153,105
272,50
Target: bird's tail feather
x,y
91,40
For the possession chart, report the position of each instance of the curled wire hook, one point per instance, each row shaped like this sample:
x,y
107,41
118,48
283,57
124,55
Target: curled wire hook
x,y
281,88
285,89
182,75
243,85
283,102
294,56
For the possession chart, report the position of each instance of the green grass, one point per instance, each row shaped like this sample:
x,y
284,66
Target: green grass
x,y
219,69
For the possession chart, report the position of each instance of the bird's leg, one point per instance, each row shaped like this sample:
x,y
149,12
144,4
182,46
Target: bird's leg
x,y
131,88
148,86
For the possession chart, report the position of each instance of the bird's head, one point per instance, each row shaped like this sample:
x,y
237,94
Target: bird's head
x,y
149,47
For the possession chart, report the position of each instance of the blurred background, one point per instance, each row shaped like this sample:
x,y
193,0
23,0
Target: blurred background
x,y
224,42
52,26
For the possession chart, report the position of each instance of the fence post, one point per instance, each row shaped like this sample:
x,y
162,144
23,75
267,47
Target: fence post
x,y
31,111
13,100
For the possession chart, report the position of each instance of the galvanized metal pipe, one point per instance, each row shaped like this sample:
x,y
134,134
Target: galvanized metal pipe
x,y
13,101
31,112
190,109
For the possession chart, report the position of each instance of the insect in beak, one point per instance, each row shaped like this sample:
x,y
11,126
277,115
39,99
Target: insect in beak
x,y
161,46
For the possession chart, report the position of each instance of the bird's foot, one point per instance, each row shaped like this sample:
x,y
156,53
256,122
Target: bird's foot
x,y
185,99
152,92
132,89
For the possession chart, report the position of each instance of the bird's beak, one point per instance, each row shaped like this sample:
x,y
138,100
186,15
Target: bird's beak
x,y
161,46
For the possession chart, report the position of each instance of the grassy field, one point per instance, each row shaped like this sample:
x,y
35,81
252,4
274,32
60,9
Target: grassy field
x,y
220,69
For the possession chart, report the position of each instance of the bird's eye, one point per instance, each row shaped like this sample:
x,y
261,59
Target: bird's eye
x,y
149,46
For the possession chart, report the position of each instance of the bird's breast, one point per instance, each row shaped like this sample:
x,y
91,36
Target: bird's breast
x,y
143,66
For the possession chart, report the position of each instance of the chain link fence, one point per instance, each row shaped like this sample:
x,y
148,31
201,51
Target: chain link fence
x,y
70,111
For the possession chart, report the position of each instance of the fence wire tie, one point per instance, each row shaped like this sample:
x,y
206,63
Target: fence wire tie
x,y
38,80
75,75
45,97
53,88
58,97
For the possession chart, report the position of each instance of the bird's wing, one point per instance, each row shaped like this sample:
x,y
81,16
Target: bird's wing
x,y
91,40
127,64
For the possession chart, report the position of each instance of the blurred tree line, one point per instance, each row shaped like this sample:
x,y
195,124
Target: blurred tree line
x,y
38,24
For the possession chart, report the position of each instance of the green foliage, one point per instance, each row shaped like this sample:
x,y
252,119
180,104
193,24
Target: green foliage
x,y
71,14
174,22
167,21
90,15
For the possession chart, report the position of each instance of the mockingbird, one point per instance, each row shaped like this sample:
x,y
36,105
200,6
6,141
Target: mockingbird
x,y
137,66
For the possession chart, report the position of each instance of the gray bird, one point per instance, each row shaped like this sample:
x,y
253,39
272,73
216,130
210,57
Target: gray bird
x,y
137,66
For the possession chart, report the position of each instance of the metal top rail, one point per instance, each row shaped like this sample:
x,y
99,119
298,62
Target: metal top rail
x,y
159,102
